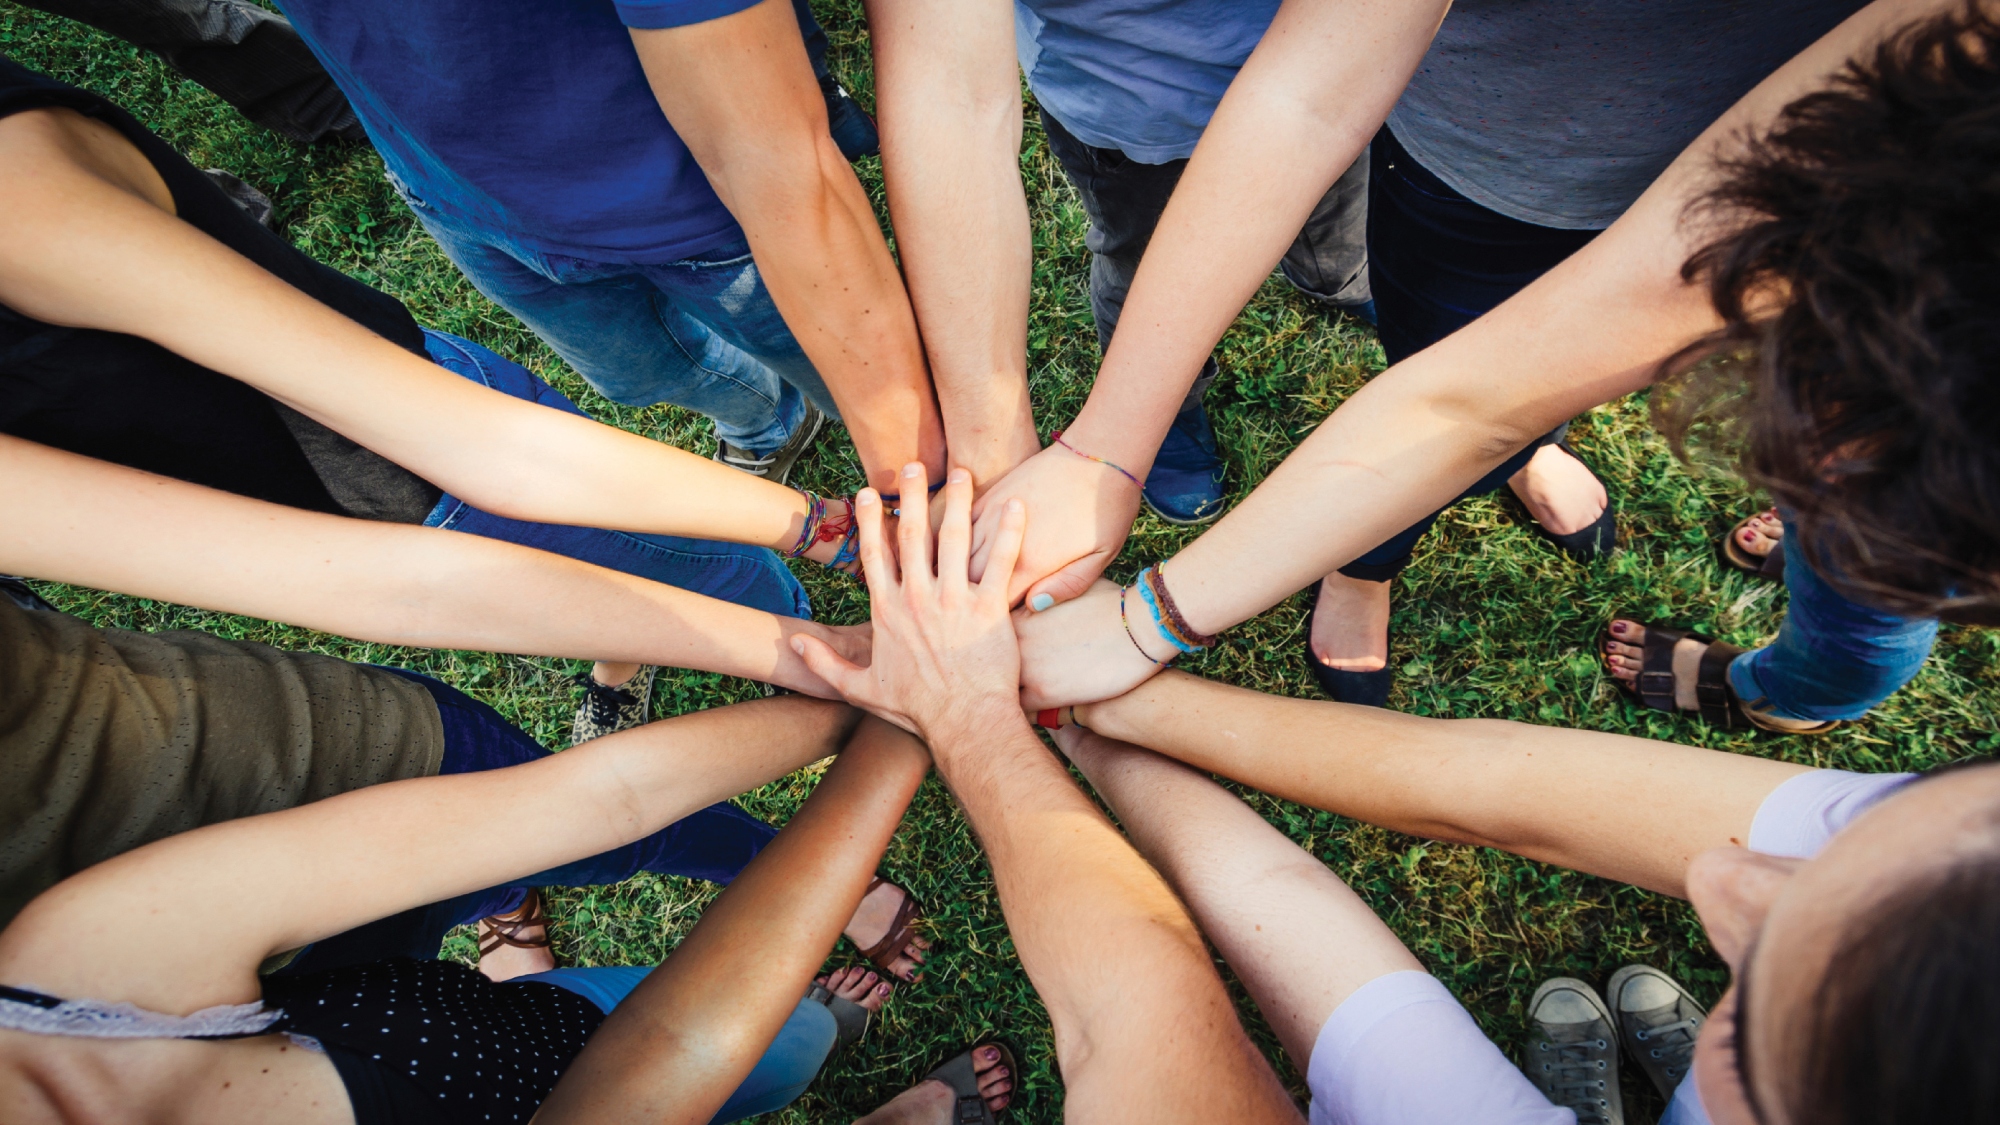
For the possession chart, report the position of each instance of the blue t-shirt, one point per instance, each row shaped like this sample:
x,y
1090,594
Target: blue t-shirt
x,y
529,116
1140,76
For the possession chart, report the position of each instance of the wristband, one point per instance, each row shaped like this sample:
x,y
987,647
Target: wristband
x,y
1127,622
809,530
1055,718
1159,617
1155,577
1057,437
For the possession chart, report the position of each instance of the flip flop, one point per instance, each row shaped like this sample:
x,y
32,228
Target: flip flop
x,y
1715,700
902,928
958,1074
850,1020
1368,689
1771,566
1593,542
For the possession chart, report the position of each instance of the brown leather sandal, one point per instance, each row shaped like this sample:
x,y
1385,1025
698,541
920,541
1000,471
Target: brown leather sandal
x,y
1716,702
902,929
505,929
1771,566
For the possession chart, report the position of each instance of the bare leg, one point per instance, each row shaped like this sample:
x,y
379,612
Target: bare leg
x,y
1298,938
685,1039
612,674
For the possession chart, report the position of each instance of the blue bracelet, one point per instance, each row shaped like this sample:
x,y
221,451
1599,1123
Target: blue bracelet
x,y
1153,606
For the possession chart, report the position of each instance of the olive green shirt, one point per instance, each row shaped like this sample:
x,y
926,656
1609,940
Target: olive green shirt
x,y
111,739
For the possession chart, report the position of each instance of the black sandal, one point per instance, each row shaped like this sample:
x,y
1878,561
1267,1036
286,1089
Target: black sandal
x,y
958,1074
1367,689
1597,540
1716,702
1771,566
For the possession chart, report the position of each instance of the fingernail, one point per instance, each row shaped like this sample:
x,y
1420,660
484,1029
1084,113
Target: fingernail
x,y
799,645
867,496
1040,602
959,476
1015,505
912,471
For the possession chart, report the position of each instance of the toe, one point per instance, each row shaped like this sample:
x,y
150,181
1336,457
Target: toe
x,y
1628,631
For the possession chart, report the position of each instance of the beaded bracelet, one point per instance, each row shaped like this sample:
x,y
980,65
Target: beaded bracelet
x,y
1127,622
1155,577
1057,437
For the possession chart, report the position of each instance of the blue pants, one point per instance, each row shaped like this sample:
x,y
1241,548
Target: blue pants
x,y
714,844
1437,261
787,1067
733,572
1833,658
700,332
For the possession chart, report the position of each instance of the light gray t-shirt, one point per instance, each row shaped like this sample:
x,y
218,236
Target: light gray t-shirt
x,y
1560,113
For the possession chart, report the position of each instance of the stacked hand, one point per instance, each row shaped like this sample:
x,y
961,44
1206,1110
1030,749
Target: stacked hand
x,y
1083,511
945,660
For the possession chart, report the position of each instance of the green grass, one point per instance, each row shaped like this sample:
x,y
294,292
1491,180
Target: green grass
x,y
1491,621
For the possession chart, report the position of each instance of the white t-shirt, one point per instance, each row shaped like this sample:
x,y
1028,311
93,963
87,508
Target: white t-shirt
x,y
1403,1051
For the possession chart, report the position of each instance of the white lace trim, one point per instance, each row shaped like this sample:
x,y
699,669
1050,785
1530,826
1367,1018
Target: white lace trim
x,y
94,1019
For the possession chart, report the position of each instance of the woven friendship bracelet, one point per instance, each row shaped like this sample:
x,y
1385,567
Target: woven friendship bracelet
x,y
1057,437
1152,601
1127,622
1156,577
809,531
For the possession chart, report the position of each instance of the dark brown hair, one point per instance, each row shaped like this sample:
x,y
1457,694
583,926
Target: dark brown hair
x,y
1906,1025
1856,377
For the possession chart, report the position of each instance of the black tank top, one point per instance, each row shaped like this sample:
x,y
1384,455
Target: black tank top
x,y
119,398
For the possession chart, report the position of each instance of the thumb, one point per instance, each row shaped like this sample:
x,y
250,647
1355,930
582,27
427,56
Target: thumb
x,y
1069,582
840,674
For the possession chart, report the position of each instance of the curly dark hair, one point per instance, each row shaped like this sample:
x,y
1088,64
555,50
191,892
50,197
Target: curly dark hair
x,y
1857,373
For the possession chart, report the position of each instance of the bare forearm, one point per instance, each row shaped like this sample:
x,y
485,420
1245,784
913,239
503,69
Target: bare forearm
x,y
1297,115
284,879
949,104
1625,808
681,1044
77,520
1592,329
1112,953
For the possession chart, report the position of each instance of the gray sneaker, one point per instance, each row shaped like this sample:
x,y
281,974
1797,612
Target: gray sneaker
x,y
1572,1053
1657,1023
775,466
608,710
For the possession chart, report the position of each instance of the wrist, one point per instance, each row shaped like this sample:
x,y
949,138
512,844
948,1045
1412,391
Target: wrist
x,y
971,726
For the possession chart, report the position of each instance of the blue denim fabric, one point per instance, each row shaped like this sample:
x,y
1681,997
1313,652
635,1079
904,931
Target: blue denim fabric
x,y
714,844
700,332
787,1067
1834,658
733,572
1437,261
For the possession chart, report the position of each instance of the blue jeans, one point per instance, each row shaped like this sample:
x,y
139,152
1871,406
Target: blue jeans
x,y
714,844
733,572
787,1067
1437,261
1833,658
700,332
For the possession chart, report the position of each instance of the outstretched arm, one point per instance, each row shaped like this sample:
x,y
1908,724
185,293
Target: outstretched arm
x,y
1143,1028
687,1037
1305,104
285,879
74,519
1586,332
740,92
948,99
1630,809
88,238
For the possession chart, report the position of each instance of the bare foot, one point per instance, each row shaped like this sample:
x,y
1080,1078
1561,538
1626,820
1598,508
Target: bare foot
x,y
931,1102
1761,534
858,984
1351,624
510,961
871,923
1560,491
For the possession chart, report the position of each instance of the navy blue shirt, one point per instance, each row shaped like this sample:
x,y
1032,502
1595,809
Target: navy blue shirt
x,y
529,116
